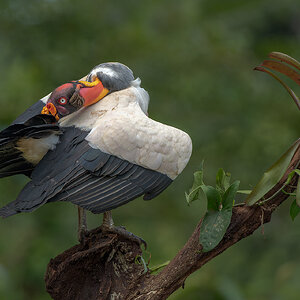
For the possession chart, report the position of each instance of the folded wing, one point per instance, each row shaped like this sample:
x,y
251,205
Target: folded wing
x,y
14,138
87,177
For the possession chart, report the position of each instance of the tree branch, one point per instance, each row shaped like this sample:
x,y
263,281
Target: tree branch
x,y
105,266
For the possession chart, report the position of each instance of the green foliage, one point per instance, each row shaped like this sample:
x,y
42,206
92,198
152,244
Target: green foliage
x,y
222,181
197,192
298,192
213,228
295,206
216,208
228,197
194,191
216,221
294,210
291,175
213,196
272,176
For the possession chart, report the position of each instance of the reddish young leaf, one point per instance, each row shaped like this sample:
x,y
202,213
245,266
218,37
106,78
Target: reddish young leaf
x,y
282,68
284,57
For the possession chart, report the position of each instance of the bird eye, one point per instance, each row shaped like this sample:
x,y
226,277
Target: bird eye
x,y
62,100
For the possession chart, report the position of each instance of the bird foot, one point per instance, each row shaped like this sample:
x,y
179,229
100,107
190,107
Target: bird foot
x,y
121,231
82,235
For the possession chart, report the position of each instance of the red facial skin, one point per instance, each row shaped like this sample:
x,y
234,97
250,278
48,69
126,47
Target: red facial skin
x,y
89,92
65,92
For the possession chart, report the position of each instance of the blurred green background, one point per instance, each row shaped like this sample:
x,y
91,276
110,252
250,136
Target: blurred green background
x,y
195,58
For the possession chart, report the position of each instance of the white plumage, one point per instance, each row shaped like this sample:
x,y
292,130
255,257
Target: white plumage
x,y
120,127
102,155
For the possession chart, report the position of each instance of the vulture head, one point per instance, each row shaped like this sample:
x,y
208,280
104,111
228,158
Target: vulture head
x,y
104,79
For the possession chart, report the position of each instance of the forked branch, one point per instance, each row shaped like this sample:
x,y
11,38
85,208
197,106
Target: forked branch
x,y
106,265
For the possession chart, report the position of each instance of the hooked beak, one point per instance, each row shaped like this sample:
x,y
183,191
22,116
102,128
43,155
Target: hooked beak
x,y
92,92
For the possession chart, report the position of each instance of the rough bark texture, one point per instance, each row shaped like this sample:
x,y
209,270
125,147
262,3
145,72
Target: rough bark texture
x,y
105,266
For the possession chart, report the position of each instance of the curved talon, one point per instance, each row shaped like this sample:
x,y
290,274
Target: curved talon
x,y
120,230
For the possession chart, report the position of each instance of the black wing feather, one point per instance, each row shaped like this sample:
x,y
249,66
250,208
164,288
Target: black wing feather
x,y
11,160
85,176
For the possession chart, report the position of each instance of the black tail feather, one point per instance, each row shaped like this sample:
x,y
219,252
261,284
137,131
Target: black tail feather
x,y
8,210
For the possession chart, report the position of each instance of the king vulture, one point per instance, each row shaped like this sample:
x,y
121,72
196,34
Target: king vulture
x,y
94,145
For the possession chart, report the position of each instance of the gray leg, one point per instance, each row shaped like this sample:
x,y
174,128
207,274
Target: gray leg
x,y
108,220
108,226
82,225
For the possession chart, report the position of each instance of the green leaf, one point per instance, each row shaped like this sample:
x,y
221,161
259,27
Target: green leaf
x,y
202,199
228,197
273,175
203,203
222,180
246,192
294,210
194,191
213,228
213,196
289,178
198,179
298,193
193,195
226,182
